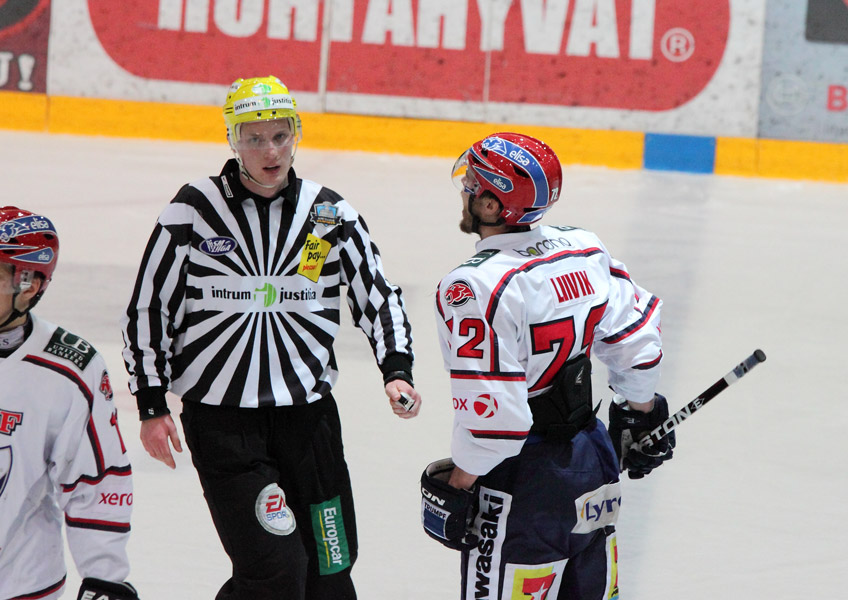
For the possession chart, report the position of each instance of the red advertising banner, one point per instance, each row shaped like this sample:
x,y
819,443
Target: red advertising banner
x,y
24,29
639,55
212,41
624,54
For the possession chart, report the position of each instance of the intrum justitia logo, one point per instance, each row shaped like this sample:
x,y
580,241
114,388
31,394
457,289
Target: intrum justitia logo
x,y
269,292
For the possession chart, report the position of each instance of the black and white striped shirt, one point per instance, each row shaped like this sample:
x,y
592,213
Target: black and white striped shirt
x,y
237,300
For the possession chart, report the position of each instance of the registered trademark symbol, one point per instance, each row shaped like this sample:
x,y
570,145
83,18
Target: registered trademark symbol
x,y
678,44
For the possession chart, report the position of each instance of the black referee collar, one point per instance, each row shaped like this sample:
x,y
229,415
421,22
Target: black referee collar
x,y
230,178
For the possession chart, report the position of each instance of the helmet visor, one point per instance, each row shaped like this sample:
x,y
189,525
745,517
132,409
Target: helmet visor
x,y
463,176
264,139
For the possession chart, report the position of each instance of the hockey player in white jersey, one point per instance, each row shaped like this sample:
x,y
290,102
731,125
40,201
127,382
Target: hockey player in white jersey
x,y
61,453
531,492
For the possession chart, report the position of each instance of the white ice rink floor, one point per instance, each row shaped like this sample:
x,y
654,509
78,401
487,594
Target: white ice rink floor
x,y
753,505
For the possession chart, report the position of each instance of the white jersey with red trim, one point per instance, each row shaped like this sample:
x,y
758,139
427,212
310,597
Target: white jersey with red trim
x,y
60,452
512,315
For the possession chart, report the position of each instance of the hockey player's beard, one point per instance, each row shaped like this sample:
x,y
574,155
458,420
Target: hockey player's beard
x,y
466,224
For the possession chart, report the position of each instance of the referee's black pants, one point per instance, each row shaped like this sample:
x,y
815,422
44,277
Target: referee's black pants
x,y
238,454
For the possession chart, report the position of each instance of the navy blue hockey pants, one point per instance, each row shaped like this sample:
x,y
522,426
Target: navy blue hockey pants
x,y
546,523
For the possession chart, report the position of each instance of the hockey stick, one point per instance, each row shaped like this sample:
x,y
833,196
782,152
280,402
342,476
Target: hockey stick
x,y
711,392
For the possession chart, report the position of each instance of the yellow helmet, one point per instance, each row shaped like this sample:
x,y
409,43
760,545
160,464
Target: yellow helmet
x,y
259,99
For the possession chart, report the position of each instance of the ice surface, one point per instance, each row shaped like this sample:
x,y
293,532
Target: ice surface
x,y
753,506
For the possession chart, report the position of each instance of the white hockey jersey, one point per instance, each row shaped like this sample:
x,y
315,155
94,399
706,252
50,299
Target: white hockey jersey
x,y
60,452
511,316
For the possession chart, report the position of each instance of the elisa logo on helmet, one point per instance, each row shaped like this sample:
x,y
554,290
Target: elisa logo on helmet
x,y
22,225
519,157
500,182
44,256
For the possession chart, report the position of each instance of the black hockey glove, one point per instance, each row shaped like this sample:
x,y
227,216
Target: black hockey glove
x,y
98,589
446,511
627,427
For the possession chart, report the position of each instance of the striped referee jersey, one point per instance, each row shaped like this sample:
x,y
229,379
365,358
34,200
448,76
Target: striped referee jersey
x,y
237,298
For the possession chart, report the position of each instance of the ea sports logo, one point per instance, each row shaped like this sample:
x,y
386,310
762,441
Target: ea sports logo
x,y
272,512
485,405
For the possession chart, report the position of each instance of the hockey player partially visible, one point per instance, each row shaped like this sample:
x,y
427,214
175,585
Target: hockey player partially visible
x,y
531,493
61,453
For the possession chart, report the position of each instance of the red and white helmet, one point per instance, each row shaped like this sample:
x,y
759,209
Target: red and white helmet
x,y
30,244
523,173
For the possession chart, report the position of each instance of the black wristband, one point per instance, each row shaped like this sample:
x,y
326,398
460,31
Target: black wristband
x,y
152,413
397,366
151,403
402,375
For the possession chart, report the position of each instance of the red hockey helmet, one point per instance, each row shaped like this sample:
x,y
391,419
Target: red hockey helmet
x,y
30,244
523,173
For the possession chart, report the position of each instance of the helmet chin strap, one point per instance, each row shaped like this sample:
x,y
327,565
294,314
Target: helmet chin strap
x,y
26,277
243,170
16,314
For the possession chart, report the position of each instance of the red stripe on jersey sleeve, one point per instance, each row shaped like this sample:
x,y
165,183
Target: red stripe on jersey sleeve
x,y
650,364
483,376
115,526
653,303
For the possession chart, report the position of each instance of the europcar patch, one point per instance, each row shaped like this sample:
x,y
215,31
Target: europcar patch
x,y
330,537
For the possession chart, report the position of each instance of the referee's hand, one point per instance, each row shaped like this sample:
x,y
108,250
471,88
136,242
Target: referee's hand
x,y
393,391
155,435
